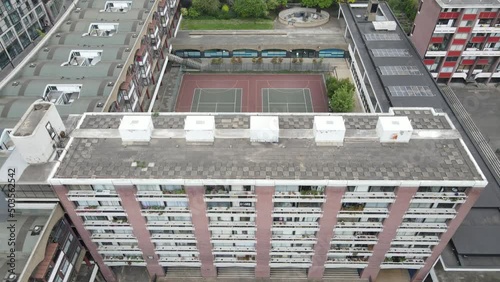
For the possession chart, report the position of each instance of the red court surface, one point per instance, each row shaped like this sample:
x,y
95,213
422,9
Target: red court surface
x,y
252,85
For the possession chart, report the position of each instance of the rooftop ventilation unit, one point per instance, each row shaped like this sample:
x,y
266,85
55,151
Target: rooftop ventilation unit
x,y
200,129
396,129
329,130
264,129
136,129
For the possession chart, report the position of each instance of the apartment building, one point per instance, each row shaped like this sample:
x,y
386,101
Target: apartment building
x,y
103,56
21,22
316,193
459,39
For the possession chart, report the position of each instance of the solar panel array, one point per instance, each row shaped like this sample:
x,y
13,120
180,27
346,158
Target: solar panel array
x,y
391,53
382,37
399,70
401,91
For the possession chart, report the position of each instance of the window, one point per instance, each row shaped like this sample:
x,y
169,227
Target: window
x,y
50,130
466,23
452,59
456,47
461,36
448,69
470,11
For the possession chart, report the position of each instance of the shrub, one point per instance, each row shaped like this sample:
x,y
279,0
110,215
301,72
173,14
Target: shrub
x,y
207,7
193,13
250,8
225,8
236,60
184,12
217,61
342,101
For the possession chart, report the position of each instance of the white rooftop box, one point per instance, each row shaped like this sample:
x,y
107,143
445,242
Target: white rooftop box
x,y
394,129
200,128
329,130
264,129
136,129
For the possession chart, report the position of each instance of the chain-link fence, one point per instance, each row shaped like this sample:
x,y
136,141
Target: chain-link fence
x,y
268,67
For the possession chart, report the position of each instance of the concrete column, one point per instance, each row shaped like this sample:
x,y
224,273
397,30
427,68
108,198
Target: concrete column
x,y
201,232
264,221
69,207
462,211
331,207
139,227
391,224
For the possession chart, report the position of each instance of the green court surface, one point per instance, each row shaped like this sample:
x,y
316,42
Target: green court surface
x,y
220,100
286,100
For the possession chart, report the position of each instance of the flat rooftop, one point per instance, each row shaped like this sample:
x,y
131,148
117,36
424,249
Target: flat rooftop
x,y
44,67
434,154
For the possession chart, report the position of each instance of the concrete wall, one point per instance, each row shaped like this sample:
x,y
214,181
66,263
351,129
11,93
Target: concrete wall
x,y
264,221
425,22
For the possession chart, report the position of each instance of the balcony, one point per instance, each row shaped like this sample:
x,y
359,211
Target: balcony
x,y
360,212
223,238
445,29
176,248
427,240
359,226
172,236
302,238
347,262
422,227
120,249
358,239
295,225
106,223
161,210
287,261
123,259
406,261
431,213
176,225
232,224
350,251
112,236
230,210
293,249
283,212
99,209
368,197
429,197
179,259
412,252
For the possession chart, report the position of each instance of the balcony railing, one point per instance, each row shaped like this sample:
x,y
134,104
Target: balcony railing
x,y
179,259
286,211
230,237
232,224
427,197
294,224
99,208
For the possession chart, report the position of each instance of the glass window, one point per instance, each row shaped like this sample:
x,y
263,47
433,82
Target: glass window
x,y
470,11
448,69
461,36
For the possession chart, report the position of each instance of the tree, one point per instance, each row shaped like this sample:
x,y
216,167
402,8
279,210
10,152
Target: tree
x,y
275,4
207,7
321,4
250,8
342,101
186,3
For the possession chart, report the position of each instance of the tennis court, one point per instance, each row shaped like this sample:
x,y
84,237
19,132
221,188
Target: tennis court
x,y
286,100
219,100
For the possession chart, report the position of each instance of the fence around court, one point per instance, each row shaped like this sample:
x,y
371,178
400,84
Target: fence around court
x,y
268,67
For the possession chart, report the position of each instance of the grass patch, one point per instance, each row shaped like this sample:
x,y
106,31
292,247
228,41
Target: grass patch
x,y
232,24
